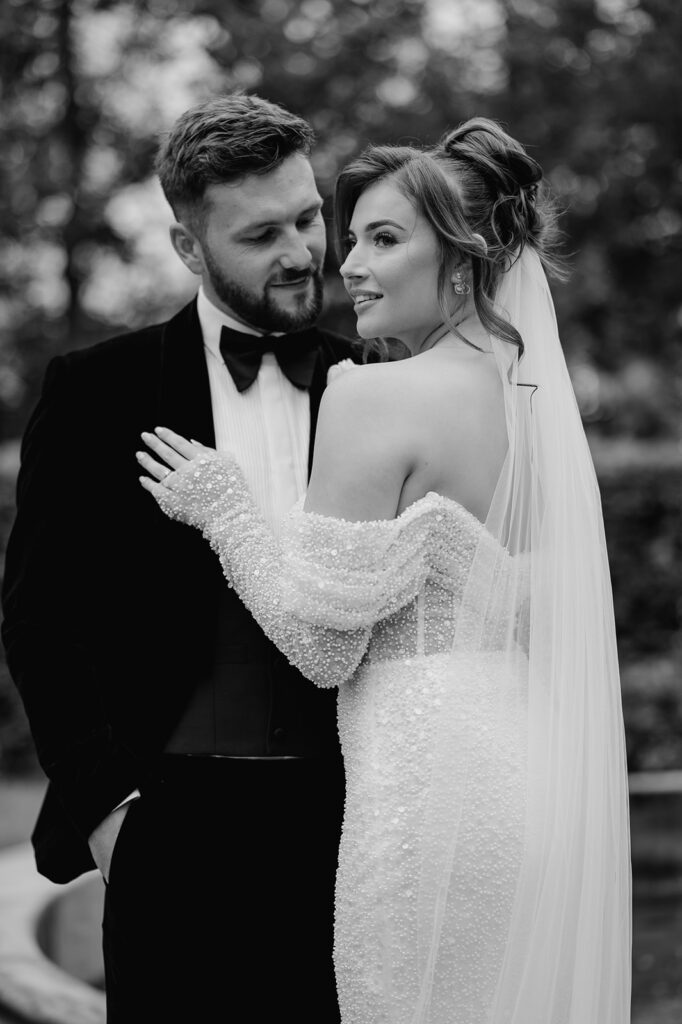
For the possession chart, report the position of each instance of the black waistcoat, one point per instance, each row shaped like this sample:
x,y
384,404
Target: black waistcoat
x,y
252,702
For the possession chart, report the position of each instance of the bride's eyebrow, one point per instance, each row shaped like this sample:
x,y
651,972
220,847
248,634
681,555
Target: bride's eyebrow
x,y
373,225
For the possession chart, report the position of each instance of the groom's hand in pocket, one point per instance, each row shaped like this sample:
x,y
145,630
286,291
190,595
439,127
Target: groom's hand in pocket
x,y
102,840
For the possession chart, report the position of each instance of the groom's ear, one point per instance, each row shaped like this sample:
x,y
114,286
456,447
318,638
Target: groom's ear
x,y
188,247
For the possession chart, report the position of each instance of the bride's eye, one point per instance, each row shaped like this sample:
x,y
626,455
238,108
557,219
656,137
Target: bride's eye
x,y
384,239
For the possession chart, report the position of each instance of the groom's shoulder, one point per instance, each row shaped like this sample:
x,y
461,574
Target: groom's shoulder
x,y
119,348
139,346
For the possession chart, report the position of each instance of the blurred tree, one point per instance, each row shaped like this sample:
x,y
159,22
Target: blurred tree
x,y
593,86
77,125
88,85
596,86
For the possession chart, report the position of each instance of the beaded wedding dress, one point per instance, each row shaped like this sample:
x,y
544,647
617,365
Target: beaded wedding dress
x,y
371,608
483,872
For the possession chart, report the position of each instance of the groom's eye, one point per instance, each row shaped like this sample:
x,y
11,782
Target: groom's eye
x,y
260,236
264,236
310,219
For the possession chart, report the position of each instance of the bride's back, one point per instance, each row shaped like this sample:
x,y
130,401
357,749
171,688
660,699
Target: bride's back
x,y
390,433
452,422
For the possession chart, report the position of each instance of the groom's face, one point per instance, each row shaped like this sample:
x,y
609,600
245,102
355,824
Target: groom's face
x,y
262,247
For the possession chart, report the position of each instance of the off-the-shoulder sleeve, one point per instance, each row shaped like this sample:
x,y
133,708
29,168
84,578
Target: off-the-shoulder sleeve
x,y
318,590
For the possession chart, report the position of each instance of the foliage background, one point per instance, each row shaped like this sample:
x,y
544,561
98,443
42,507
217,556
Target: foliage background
x,y
592,87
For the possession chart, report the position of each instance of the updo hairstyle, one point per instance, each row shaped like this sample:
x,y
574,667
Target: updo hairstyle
x,y
482,195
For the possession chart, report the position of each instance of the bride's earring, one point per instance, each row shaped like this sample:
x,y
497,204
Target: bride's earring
x,y
462,286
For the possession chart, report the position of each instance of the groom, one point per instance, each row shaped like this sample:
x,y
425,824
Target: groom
x,y
187,760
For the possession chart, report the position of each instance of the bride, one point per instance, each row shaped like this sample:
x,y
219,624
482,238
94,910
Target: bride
x,y
447,571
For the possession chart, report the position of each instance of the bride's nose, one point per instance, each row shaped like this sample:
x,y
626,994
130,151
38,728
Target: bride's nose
x,y
352,266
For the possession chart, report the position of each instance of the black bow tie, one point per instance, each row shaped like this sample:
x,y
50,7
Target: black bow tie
x,y
295,353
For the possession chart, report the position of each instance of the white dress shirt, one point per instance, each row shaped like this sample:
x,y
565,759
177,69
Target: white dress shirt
x,y
266,427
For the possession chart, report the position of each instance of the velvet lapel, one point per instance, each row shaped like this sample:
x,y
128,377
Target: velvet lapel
x,y
184,402
325,358
184,405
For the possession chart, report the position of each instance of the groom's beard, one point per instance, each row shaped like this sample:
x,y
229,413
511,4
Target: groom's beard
x,y
261,309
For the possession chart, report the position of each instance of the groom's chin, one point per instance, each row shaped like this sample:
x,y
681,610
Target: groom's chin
x,y
298,315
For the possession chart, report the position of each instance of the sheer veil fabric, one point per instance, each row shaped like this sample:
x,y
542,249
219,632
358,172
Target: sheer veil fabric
x,y
537,615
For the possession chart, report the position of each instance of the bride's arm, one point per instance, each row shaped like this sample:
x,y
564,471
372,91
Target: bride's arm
x,y
317,592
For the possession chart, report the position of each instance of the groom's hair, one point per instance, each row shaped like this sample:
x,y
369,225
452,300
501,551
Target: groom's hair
x,y
220,141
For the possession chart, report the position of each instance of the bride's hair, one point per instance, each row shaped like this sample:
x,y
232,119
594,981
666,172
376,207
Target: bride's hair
x,y
483,196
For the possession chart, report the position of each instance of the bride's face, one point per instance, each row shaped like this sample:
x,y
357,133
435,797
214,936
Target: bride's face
x,y
391,270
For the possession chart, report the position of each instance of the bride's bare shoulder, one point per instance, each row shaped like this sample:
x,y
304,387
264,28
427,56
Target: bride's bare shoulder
x,y
363,448
371,386
401,391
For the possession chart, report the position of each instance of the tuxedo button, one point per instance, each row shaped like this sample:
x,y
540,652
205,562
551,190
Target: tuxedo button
x,y
279,733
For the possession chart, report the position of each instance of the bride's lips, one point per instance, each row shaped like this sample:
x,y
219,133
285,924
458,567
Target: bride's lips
x,y
363,300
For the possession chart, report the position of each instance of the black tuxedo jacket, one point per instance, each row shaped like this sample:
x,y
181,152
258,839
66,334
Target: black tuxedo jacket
x,y
110,608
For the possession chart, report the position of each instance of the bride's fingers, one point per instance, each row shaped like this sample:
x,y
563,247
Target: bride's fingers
x,y
164,451
189,449
157,490
153,467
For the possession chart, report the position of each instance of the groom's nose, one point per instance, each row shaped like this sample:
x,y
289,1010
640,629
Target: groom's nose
x,y
297,255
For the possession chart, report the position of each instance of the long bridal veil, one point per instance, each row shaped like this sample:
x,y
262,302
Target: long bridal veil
x,y
536,636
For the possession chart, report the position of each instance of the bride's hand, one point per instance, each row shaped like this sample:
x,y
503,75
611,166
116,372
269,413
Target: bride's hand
x,y
189,481
178,455
175,451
